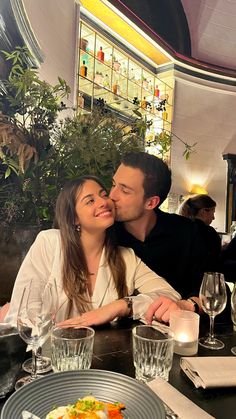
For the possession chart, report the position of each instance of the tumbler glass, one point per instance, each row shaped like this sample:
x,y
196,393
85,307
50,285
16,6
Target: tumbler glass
x,y
152,352
72,348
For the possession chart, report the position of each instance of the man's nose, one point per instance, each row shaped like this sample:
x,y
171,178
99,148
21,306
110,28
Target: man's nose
x,y
113,193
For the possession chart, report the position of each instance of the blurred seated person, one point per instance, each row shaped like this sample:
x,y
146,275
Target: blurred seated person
x,y
201,209
94,274
228,258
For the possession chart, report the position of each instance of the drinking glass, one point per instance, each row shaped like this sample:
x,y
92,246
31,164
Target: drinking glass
x,y
34,321
213,298
233,314
152,352
43,363
72,348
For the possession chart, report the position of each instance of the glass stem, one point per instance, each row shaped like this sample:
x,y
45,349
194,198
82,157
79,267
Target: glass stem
x,y
211,332
34,365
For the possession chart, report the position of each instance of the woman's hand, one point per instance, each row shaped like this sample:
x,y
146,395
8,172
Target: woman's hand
x,y
99,316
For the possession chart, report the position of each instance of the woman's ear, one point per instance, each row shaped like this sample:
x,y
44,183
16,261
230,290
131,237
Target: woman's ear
x,y
152,202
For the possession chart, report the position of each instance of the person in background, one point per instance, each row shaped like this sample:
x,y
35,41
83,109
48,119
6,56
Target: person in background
x,y
228,260
168,243
94,276
201,209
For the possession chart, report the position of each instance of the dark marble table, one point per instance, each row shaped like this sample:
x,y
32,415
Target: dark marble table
x,y
113,351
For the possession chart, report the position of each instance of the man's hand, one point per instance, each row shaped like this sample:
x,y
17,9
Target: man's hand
x,y
98,316
162,307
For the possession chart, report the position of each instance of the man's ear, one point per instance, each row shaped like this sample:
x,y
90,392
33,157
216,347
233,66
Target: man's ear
x,y
152,202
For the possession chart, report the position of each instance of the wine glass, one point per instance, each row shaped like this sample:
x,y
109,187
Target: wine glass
x,y
34,321
43,363
213,298
233,314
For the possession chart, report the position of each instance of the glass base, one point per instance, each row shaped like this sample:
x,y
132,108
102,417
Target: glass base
x,y
210,343
233,350
25,380
43,364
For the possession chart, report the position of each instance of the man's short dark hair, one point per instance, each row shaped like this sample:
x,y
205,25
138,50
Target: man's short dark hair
x,y
157,175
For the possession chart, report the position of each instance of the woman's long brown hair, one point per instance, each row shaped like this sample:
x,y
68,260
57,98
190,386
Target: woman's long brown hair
x,y
75,271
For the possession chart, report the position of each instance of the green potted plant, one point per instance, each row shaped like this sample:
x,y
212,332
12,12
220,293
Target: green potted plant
x,y
28,114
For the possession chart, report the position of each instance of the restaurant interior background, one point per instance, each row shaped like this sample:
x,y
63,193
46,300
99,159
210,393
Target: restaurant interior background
x,y
183,50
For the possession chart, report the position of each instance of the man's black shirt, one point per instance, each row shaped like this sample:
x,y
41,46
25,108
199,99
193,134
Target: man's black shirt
x,y
173,249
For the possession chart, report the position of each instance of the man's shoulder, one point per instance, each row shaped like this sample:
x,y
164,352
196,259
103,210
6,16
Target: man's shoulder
x,y
174,219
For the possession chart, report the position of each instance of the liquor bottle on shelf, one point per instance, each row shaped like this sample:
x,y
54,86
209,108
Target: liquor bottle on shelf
x,y
106,82
116,88
144,103
81,100
150,86
116,65
83,70
164,115
156,91
85,58
84,44
100,55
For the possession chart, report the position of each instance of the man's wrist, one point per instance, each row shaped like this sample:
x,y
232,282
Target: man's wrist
x,y
194,305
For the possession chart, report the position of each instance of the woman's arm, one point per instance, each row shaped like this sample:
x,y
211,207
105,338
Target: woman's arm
x,y
101,315
36,265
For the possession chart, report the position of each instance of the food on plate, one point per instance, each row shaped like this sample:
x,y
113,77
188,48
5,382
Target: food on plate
x,y
88,408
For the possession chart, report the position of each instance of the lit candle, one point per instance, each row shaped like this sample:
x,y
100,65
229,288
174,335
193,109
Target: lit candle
x,y
185,325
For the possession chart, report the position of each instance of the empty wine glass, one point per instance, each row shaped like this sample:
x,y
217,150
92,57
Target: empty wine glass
x,y
213,298
34,321
233,314
43,363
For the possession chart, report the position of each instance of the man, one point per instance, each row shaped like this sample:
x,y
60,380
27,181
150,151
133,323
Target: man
x,y
168,243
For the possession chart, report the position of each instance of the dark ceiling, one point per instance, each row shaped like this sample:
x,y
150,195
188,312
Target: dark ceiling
x,y
165,17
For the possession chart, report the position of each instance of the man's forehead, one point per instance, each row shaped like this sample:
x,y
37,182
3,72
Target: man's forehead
x,y
129,176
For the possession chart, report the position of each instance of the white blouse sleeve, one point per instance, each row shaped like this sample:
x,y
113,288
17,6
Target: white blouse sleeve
x,y
147,283
36,265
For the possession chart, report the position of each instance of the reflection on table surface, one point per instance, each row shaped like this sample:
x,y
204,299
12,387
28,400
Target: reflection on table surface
x,y
113,351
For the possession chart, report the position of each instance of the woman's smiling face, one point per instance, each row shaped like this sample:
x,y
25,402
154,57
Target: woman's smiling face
x,y
94,209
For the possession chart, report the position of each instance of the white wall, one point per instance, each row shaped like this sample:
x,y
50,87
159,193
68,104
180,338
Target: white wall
x,y
54,24
203,113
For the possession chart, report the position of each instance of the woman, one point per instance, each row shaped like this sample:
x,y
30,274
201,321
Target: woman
x,y
93,274
201,209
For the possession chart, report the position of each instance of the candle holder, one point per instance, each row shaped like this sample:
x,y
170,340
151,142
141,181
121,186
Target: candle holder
x,y
185,325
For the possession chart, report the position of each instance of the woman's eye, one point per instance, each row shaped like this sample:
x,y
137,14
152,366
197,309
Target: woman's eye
x,y
90,202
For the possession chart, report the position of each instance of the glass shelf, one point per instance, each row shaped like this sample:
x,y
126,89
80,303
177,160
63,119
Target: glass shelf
x,y
123,83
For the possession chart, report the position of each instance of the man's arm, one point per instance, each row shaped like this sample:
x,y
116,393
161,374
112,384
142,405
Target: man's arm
x,y
161,308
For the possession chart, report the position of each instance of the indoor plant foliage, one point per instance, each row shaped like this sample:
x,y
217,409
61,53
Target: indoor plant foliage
x,y
39,153
29,110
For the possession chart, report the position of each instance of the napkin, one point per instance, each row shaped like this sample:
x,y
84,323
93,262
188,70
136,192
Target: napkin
x,y
181,405
206,372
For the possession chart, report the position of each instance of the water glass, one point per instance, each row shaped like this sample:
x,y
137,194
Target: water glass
x,y
72,348
153,348
12,353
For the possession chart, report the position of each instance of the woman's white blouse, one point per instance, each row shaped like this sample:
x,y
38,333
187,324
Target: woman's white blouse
x,y
44,261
